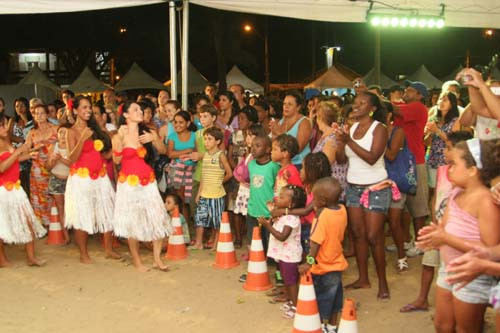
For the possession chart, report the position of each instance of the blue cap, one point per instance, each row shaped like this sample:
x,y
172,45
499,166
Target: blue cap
x,y
418,86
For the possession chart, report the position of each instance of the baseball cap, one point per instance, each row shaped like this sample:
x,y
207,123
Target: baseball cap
x,y
418,86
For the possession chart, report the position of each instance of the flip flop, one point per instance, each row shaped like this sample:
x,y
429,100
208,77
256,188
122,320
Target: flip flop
x,y
412,308
275,292
278,299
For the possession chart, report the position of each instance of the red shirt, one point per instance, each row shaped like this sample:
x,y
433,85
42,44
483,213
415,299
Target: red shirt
x,y
413,121
288,175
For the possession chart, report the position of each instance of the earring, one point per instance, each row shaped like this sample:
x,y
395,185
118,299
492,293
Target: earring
x,y
371,114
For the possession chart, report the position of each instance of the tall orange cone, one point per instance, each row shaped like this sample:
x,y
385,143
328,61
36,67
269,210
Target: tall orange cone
x,y
56,236
176,249
348,323
306,316
257,276
226,256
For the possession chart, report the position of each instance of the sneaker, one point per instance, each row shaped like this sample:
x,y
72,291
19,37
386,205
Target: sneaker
x,y
402,264
413,252
279,279
290,314
243,278
326,329
393,248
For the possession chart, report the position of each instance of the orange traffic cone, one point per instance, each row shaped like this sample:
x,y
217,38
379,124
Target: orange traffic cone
x,y
226,256
306,316
257,276
176,248
348,323
56,236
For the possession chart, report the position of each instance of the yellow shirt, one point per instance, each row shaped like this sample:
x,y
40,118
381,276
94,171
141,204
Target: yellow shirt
x,y
212,176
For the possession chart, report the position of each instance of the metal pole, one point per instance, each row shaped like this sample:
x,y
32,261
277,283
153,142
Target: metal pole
x,y
266,56
377,56
185,50
173,51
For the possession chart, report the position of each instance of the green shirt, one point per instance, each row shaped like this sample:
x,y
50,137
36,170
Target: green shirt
x,y
262,178
200,145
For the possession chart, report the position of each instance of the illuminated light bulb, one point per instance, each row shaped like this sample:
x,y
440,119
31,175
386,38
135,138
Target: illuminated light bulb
x,y
422,23
440,23
394,21
413,22
403,22
376,21
385,21
431,23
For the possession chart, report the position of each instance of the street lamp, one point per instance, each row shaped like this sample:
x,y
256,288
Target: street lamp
x,y
248,29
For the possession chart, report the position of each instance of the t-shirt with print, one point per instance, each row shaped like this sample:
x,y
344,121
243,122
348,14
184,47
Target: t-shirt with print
x,y
262,178
288,175
290,250
487,128
328,231
413,124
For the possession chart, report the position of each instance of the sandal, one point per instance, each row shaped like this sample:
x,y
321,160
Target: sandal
x,y
290,314
286,306
412,308
402,264
275,292
278,299
238,244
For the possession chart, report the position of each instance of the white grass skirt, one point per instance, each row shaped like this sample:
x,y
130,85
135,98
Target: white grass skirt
x,y
17,218
140,213
89,204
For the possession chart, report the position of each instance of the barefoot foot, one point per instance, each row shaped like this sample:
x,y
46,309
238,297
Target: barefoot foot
x,y
5,263
34,262
113,255
161,267
142,268
358,285
85,259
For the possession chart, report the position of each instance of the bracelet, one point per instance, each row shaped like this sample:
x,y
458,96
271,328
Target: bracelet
x,y
117,153
286,211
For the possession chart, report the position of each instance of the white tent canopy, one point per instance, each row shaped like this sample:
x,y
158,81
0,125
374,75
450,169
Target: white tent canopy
x,y
197,81
458,13
385,81
59,6
137,78
423,75
332,78
453,74
87,83
236,76
38,78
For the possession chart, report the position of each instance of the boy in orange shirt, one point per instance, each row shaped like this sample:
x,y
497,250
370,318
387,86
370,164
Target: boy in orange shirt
x,y
326,259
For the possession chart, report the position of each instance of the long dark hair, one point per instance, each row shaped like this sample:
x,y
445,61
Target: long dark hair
x,y
380,113
187,117
26,105
99,134
235,106
143,129
316,166
453,112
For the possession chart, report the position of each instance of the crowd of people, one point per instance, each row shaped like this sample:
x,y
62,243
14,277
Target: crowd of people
x,y
321,178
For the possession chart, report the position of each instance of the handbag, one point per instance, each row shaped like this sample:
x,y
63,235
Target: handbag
x,y
402,170
241,173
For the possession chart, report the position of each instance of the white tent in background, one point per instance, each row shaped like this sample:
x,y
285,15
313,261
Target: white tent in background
x,y
332,78
197,81
453,74
385,81
236,76
423,75
137,78
37,77
87,83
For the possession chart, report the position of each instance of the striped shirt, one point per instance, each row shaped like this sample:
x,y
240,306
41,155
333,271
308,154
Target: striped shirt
x,y
212,176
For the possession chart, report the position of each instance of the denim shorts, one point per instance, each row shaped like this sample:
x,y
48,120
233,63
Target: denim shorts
x,y
378,201
329,293
475,292
305,234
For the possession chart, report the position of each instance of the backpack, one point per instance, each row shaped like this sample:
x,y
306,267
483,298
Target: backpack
x,y
403,169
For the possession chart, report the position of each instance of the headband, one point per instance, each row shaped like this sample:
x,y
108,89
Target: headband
x,y
475,150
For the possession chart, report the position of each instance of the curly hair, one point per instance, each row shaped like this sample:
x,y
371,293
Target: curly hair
x,y
490,159
316,166
288,143
299,196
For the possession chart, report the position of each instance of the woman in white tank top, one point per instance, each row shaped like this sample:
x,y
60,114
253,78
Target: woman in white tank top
x,y
364,147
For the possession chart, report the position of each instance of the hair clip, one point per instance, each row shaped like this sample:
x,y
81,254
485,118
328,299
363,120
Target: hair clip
x,y
475,150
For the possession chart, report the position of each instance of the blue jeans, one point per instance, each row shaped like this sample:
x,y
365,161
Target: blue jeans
x,y
329,293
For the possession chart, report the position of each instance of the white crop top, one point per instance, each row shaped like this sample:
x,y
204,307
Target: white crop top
x,y
60,169
359,171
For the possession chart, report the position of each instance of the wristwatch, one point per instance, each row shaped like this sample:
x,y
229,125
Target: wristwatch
x,y
310,260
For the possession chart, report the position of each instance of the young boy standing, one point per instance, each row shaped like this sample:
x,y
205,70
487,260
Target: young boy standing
x,y
326,259
210,197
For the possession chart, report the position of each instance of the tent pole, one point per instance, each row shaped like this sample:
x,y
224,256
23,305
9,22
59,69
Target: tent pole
x,y
377,56
173,51
185,50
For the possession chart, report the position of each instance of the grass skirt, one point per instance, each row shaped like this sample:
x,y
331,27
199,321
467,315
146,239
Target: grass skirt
x,y
89,204
140,213
17,218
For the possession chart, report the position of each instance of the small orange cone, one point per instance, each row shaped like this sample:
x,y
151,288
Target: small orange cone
x,y
55,236
348,323
257,276
226,256
176,248
306,316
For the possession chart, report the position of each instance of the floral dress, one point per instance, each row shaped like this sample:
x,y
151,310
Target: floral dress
x,y
339,171
39,180
436,154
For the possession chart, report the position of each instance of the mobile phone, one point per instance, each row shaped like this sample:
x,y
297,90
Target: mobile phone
x,y
495,90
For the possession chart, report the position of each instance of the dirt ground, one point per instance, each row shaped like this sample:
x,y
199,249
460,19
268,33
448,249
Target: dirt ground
x,y
110,296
